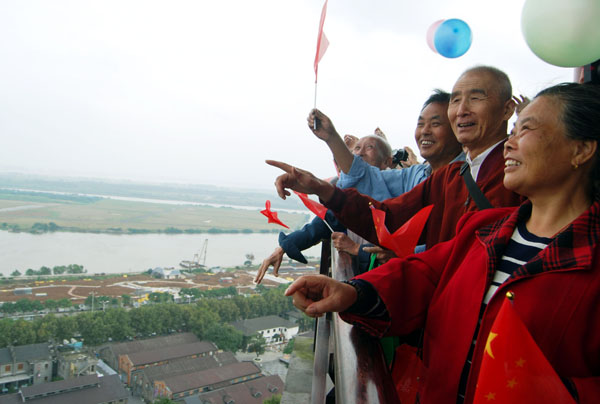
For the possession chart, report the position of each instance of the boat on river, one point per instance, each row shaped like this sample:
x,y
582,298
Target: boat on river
x,y
199,260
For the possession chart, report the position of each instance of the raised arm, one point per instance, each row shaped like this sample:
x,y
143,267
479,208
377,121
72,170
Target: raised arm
x,y
326,132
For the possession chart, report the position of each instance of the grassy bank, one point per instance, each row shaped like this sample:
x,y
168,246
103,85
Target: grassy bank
x,y
98,215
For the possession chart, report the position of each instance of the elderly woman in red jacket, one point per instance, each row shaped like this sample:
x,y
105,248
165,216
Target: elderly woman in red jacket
x,y
547,251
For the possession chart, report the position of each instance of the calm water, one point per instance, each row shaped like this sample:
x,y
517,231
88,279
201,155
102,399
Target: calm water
x,y
129,253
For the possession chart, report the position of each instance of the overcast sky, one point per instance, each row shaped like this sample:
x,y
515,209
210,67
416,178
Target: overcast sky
x,y
204,91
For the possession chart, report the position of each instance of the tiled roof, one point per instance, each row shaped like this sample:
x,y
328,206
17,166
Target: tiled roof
x,y
252,326
31,352
188,365
171,352
124,348
190,381
5,356
249,392
26,353
109,389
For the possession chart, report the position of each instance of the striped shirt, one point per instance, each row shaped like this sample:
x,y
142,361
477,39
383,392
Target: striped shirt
x,y
523,246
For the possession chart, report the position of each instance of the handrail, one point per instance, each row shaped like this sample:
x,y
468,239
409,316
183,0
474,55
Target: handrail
x,y
361,374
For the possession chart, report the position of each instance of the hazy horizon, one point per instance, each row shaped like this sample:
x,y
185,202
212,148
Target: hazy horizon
x,y
203,92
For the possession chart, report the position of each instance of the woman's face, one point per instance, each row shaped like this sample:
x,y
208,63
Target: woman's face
x,y
538,156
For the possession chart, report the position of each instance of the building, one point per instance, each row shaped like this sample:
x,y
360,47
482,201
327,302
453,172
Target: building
x,y
166,273
86,389
75,364
251,392
25,365
110,353
129,363
144,379
178,387
273,329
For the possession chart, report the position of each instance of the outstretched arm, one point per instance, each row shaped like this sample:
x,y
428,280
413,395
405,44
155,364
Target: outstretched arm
x,y
301,181
326,132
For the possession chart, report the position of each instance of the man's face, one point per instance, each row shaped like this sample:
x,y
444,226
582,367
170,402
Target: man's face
x,y
368,149
476,112
434,135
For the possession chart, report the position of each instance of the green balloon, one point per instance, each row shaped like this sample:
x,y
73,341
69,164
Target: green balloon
x,y
563,33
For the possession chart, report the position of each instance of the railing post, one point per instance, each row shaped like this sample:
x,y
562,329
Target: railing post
x,y
361,374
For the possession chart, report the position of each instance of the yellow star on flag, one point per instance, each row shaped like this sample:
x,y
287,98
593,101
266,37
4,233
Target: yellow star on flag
x,y
490,396
511,383
520,363
488,344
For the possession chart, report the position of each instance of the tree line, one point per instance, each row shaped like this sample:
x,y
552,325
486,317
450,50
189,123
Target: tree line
x,y
208,318
72,269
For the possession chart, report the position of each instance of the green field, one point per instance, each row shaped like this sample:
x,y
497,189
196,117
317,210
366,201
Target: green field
x,y
28,212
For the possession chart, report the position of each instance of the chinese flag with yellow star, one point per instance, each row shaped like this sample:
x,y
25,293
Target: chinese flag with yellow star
x,y
404,240
514,369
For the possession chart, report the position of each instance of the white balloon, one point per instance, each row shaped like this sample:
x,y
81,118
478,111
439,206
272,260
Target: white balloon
x,y
563,32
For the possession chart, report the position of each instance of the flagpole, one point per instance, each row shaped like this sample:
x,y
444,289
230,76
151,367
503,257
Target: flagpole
x,y
315,107
328,225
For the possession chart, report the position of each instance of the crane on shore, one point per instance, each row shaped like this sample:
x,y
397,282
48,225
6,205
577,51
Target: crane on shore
x,y
199,260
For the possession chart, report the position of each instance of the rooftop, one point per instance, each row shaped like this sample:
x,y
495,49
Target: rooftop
x,y
188,365
250,392
190,381
85,389
171,352
129,347
25,353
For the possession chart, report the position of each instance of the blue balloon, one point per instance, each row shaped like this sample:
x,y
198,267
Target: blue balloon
x,y
453,38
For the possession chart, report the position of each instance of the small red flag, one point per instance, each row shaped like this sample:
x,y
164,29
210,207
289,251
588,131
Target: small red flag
x,y
405,239
514,369
315,207
272,216
322,42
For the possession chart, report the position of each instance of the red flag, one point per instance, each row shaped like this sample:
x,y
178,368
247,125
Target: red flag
x,y
272,216
514,369
405,239
315,207
322,42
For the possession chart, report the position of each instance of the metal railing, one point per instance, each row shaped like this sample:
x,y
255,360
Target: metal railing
x,y
359,370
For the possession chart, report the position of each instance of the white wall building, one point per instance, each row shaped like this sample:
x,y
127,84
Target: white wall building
x,y
273,329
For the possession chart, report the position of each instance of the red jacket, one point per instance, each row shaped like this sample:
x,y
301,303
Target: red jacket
x,y
557,295
445,189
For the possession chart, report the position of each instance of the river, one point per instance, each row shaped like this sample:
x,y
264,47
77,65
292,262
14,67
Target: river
x,y
130,253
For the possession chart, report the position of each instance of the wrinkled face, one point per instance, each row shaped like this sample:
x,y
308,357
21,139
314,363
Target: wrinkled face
x,y
538,156
434,135
368,149
476,112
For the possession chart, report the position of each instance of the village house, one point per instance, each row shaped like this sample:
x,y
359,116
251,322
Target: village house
x,y
25,365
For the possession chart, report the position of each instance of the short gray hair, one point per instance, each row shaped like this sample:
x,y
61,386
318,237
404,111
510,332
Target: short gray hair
x,y
502,81
383,147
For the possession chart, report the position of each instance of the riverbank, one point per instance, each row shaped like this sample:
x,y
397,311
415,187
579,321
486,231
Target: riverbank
x,y
39,213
